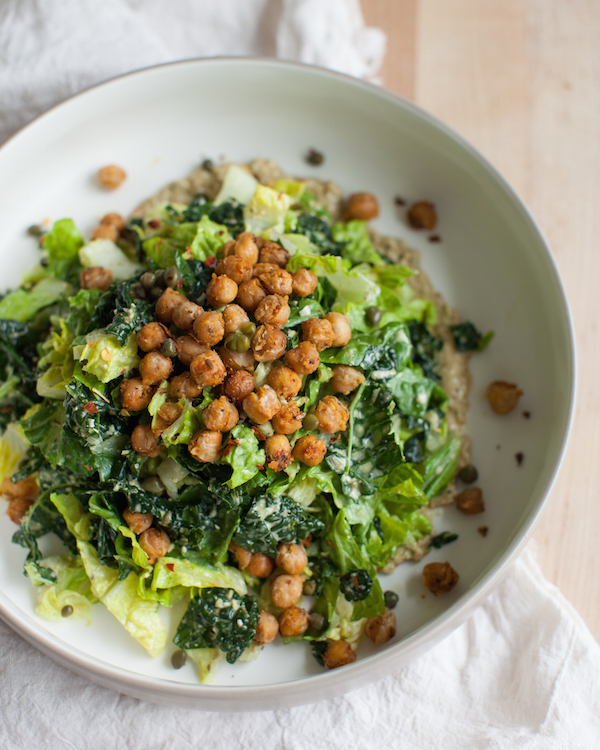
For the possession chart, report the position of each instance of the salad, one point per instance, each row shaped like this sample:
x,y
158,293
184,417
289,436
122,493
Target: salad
x,y
238,400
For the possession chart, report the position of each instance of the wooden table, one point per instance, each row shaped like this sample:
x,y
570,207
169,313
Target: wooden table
x,y
520,79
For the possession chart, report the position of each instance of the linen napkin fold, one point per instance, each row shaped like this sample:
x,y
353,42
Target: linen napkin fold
x,y
523,672
520,674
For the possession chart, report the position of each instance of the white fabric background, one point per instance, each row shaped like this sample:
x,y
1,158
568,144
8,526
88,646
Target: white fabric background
x,y
523,672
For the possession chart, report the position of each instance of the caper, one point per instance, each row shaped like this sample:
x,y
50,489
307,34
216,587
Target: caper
x,y
390,599
137,290
148,280
66,611
314,157
243,343
172,277
316,621
160,278
248,328
310,422
178,659
150,467
373,315
468,474
35,230
309,588
153,485
44,262
231,342
208,164
156,292
168,348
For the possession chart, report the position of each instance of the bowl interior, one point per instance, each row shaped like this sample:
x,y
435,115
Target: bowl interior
x,y
491,263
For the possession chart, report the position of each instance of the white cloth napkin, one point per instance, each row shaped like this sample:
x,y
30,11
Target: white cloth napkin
x,y
523,672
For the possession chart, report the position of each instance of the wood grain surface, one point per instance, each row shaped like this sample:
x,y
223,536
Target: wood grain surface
x,y
521,80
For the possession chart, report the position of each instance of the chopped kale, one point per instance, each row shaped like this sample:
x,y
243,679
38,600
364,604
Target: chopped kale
x,y
442,539
356,585
318,232
425,348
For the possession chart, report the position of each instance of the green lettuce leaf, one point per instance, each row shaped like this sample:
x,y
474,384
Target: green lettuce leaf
x,y
357,245
24,304
245,457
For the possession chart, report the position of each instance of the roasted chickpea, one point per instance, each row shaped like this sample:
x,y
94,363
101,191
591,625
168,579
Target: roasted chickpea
x,y
318,332
115,220
209,327
278,452
151,336
309,450
250,294
154,368
342,333
293,621
144,442
246,247
155,543
291,557
96,277
260,566
105,232
268,343
20,495
333,415
288,419
238,360
266,629
228,248
304,282
261,405
286,590
188,348
277,281
184,385
338,654
503,396
242,556
422,215
362,206
185,314
166,304
346,379
237,385
439,578
205,446
273,253
304,358
221,290
167,415
382,628
135,396
208,369
110,177
236,268
137,522
285,382
261,268
273,310
234,316
470,501
220,415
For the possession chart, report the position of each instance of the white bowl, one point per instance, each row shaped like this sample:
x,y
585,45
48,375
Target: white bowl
x,y
493,264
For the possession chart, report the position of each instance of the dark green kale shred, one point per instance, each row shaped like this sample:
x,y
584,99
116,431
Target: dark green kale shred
x,y
414,449
442,539
230,214
270,520
219,618
120,312
318,232
356,585
318,649
466,336
322,568
195,276
425,348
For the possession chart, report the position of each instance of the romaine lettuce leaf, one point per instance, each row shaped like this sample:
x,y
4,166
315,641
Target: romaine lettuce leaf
x,y
23,304
357,245
210,238
105,253
176,571
245,457
104,357
266,211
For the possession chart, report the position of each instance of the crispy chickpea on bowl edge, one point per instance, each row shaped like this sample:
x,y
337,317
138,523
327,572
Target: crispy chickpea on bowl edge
x,y
243,397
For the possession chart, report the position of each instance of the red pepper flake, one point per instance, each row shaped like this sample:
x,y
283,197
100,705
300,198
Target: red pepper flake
x,y
260,467
6,409
483,530
227,449
170,566
334,439
527,414
434,238
188,253
519,458
355,582
211,262
90,408
399,201
89,468
154,223
257,432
